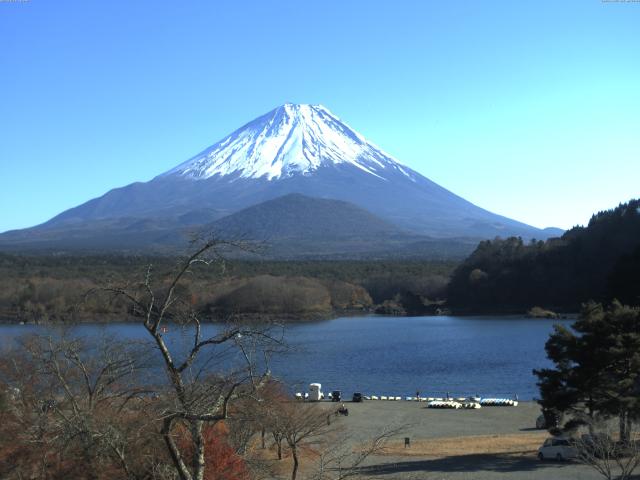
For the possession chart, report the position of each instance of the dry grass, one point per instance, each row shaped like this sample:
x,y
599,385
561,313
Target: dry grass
x,y
469,445
267,459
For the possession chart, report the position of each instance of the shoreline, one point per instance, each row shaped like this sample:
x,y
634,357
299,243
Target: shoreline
x,y
287,318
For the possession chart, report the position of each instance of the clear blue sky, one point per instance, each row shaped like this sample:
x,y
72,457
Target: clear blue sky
x,y
529,109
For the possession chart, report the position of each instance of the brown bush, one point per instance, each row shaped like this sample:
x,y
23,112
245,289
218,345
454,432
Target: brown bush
x,y
346,296
267,294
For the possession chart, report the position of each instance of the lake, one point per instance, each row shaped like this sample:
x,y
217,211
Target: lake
x,y
489,356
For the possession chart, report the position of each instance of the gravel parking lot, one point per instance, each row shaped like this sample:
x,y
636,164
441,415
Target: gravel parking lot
x,y
450,444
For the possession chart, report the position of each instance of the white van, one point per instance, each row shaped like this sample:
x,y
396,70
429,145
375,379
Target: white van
x,y
315,392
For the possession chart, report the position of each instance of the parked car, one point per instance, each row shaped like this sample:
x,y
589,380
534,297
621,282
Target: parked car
x,y
557,448
357,397
336,396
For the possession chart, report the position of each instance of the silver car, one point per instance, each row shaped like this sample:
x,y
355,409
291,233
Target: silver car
x,y
557,448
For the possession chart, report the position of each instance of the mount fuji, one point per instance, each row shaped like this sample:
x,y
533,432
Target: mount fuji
x,y
288,141
293,149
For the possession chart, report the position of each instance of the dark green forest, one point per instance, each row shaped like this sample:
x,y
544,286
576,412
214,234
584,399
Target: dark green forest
x,y
53,288
599,262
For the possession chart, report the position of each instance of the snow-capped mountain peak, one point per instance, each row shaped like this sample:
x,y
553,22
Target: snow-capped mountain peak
x,y
293,139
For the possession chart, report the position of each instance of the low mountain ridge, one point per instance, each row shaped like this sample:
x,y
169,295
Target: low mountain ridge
x,y
299,217
297,226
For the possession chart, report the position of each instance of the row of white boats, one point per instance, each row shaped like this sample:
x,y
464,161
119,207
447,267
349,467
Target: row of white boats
x,y
432,402
455,403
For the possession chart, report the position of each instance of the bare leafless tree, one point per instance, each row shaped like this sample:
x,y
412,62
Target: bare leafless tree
x,y
300,425
345,455
310,433
603,451
201,389
71,402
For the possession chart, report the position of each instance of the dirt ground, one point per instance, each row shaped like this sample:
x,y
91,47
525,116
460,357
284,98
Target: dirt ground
x,y
485,444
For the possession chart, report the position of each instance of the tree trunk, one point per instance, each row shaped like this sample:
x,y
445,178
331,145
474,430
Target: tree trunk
x,y
198,455
278,439
262,434
294,472
624,426
591,413
176,455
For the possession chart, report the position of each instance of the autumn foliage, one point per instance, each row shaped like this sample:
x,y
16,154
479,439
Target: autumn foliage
x,y
222,460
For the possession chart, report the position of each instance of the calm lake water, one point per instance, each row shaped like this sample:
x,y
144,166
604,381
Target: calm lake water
x,y
489,356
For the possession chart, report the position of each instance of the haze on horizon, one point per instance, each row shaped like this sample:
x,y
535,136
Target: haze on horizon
x,y
529,111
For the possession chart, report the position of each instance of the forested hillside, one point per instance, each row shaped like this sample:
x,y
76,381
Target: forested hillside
x,y
53,288
598,262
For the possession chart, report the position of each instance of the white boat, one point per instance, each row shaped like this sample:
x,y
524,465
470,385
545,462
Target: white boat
x,y
498,402
445,404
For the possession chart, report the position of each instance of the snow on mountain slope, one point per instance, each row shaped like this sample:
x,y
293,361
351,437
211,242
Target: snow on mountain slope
x,y
290,140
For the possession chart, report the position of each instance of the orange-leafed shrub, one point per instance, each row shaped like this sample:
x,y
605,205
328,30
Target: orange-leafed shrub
x,y
222,462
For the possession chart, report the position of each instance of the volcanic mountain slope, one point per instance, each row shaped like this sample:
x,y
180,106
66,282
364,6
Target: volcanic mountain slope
x,y
297,226
292,149
298,217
